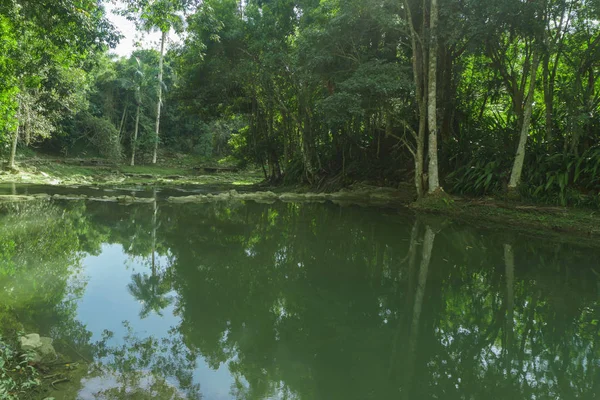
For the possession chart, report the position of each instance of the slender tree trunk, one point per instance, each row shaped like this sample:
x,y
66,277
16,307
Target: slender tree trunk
x,y
517,169
13,149
419,78
27,127
122,123
15,139
434,181
548,96
160,84
420,179
135,135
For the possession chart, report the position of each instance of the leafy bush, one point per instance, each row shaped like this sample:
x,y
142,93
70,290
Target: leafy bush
x,y
101,134
563,178
16,375
478,178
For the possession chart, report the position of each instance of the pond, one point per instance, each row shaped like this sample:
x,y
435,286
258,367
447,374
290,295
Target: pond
x,y
302,301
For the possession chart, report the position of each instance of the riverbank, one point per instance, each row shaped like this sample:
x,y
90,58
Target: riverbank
x,y
75,173
577,224
100,172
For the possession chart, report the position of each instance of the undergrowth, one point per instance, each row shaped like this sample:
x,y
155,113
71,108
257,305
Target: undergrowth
x,y
18,378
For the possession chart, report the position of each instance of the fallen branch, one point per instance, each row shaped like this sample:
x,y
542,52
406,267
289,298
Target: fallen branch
x,y
59,381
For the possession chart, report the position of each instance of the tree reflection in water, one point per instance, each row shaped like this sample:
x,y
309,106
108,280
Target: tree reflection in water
x,y
322,302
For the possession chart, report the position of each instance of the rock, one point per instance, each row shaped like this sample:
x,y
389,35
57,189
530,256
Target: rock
x,y
304,197
11,198
132,199
69,197
46,351
30,342
126,199
188,199
40,346
258,197
358,196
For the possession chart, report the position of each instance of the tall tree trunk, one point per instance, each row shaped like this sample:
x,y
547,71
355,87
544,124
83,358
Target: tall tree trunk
x,y
434,181
122,123
15,138
420,152
160,84
135,135
548,96
517,169
13,149
418,53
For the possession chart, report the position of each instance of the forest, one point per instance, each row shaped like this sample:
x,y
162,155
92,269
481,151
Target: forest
x,y
477,98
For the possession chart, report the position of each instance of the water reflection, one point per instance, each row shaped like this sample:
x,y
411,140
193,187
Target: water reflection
x,y
304,301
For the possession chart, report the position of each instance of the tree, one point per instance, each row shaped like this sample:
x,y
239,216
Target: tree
x,y
140,82
162,15
45,43
432,112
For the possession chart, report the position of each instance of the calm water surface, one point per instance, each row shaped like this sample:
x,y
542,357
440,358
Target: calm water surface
x,y
314,301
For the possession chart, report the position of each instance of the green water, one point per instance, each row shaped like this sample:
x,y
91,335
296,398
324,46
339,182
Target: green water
x,y
285,301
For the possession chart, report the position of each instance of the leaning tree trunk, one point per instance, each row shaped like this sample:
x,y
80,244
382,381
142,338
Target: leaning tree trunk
x,y
135,135
434,181
160,84
517,169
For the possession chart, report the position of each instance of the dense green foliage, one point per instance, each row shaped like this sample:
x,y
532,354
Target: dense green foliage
x,y
47,48
326,91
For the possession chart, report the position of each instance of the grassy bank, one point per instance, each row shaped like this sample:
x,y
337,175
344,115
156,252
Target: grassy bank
x,y
186,170
175,171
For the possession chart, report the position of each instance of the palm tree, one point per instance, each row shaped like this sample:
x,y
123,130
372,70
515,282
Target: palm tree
x,y
162,15
138,79
139,82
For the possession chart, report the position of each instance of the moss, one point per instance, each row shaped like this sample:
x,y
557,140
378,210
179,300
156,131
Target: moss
x,y
438,201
